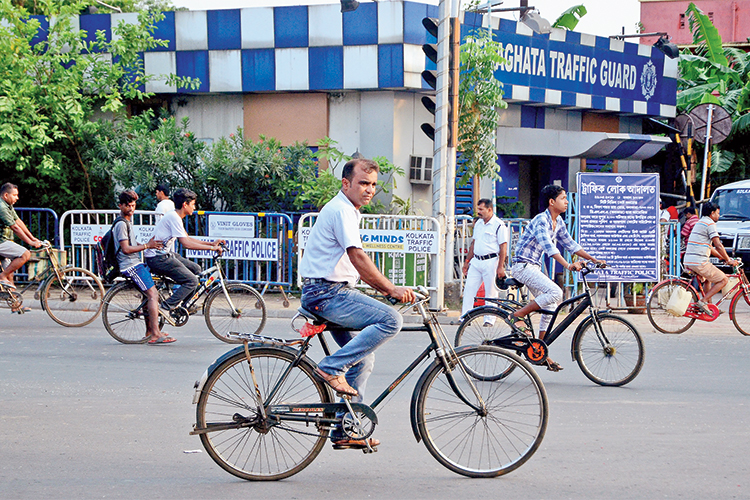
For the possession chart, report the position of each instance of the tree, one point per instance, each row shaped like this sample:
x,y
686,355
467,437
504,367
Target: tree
x,y
719,75
480,96
53,82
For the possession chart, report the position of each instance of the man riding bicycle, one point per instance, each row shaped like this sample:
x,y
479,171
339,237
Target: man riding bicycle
x,y
703,242
332,263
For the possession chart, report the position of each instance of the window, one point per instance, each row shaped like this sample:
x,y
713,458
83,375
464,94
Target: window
x,y
420,170
682,21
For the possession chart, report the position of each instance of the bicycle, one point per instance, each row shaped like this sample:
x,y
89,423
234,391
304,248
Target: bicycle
x,y
607,348
264,414
71,296
662,320
228,307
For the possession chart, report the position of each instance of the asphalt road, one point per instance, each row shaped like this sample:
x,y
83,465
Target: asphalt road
x,y
82,416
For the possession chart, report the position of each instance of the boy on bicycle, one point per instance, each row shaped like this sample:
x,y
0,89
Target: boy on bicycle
x,y
165,262
129,260
703,242
541,237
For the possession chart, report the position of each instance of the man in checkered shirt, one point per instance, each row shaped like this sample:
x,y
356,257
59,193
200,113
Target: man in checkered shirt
x,y
542,235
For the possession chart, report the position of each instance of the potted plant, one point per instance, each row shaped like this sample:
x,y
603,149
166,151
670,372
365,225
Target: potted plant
x,y
635,298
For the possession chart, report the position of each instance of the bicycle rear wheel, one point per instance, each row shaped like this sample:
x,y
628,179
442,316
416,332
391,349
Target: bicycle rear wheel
x,y
613,358
124,313
490,444
257,449
247,316
656,307
480,326
739,311
74,299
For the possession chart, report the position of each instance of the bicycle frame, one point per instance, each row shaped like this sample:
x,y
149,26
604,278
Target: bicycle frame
x,y
439,344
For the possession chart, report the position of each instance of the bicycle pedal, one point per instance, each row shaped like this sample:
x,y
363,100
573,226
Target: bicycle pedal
x,y
366,451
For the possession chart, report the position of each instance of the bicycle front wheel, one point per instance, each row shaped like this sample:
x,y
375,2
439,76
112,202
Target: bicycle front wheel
x,y
656,307
739,311
73,299
612,357
124,313
240,310
480,326
496,440
258,449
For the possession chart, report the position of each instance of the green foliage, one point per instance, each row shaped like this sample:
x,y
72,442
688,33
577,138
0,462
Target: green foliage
x,y
480,96
570,18
50,89
718,75
507,209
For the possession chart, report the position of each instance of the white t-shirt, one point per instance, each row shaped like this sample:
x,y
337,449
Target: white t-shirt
x,y
167,230
488,237
335,230
164,206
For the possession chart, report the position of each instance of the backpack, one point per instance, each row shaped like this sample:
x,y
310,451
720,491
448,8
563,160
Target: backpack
x,y
105,254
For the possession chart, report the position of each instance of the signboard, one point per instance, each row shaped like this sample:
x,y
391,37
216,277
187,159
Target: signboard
x,y
231,226
241,249
389,241
90,234
618,221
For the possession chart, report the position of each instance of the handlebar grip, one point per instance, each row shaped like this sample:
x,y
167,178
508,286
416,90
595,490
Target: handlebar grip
x,y
391,300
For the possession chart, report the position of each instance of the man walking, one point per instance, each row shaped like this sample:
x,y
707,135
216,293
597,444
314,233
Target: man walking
x,y
487,255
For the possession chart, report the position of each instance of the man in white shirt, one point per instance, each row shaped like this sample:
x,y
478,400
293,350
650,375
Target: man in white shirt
x,y
165,204
486,257
166,262
332,263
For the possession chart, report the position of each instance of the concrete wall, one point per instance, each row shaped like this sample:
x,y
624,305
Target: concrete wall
x,y
731,18
211,116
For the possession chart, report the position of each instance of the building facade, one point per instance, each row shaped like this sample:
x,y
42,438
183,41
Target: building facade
x,y
730,17
302,73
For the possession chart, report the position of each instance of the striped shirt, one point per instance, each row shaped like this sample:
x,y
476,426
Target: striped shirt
x,y
539,238
699,244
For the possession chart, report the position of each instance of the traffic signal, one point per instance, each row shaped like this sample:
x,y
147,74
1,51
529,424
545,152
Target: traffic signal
x,y
430,77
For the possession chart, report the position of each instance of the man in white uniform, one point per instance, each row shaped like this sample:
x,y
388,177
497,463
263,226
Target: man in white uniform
x,y
487,255
165,204
332,263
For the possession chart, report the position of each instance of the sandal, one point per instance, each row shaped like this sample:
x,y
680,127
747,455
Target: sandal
x,y
21,310
552,366
337,382
354,444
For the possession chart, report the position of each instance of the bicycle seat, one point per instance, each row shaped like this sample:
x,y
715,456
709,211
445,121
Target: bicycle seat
x,y
503,284
318,320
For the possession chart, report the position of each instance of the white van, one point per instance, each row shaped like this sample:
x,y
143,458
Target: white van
x,y
734,222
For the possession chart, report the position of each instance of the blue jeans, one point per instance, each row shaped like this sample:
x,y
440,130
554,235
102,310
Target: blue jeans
x,y
376,322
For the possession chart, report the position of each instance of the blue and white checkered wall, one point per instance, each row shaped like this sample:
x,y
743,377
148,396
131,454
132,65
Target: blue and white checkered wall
x,y
378,46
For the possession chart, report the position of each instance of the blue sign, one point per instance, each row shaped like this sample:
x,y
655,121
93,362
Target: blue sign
x,y
618,221
584,71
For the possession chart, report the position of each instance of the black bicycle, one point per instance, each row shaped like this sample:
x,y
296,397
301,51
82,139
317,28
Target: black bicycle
x,y
264,414
228,307
608,349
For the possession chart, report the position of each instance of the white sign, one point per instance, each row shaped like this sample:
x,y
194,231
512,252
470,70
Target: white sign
x,y
241,249
389,241
231,226
91,234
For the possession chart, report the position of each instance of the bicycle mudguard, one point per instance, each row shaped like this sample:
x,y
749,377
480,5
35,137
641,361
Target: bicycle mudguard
x,y
231,353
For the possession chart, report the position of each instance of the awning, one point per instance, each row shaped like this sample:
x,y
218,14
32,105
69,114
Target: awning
x,y
569,144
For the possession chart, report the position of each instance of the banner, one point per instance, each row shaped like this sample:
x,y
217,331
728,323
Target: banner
x,y
90,234
231,226
389,241
241,249
618,221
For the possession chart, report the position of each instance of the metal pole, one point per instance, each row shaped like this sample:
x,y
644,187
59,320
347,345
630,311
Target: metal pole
x,y
440,152
706,152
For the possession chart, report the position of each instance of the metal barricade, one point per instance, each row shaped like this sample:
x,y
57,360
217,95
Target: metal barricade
x,y
43,223
80,230
266,226
401,267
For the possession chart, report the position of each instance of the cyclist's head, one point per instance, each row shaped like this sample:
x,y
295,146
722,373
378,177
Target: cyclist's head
x,y
550,192
182,196
128,196
689,211
709,208
7,188
366,165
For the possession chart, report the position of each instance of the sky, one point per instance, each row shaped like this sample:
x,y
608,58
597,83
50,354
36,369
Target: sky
x,y
604,17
